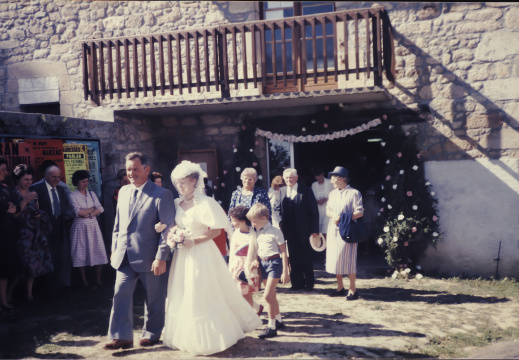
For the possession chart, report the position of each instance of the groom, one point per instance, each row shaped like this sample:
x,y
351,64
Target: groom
x,y
139,252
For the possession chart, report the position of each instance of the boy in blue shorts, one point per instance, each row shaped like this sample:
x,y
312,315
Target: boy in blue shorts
x,y
273,262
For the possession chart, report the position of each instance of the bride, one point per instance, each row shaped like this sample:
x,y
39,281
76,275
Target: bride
x,y
205,312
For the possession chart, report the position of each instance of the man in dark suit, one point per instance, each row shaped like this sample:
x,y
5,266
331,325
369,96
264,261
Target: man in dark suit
x,y
139,252
54,201
299,220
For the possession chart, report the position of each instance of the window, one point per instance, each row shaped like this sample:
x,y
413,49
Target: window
x,y
272,10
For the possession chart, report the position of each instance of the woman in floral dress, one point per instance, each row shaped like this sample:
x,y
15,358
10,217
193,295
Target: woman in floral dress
x,y
34,227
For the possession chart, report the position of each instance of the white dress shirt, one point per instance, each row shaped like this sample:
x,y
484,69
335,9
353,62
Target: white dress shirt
x,y
292,191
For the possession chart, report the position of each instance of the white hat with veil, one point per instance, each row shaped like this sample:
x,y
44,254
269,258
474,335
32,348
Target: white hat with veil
x,y
186,168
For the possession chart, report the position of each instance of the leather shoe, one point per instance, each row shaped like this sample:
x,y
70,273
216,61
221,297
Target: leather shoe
x,y
268,333
148,342
280,325
353,296
336,293
296,288
118,344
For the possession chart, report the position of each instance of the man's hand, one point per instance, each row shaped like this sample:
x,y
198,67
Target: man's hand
x,y
158,267
315,235
285,277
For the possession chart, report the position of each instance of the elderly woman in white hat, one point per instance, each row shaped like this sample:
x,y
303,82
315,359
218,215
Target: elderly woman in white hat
x,y
341,257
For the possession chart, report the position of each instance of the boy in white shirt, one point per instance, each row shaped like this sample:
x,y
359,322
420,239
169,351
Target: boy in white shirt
x,y
273,262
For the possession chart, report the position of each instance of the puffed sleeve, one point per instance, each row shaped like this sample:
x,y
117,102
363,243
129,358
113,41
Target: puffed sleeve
x,y
75,203
213,216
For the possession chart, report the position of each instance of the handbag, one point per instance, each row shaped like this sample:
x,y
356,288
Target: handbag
x,y
358,231
352,231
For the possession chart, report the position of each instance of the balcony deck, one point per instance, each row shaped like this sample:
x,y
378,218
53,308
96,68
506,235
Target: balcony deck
x,y
339,53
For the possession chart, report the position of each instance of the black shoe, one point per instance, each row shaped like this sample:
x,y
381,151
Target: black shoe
x,y
280,325
336,293
268,333
353,296
296,288
309,288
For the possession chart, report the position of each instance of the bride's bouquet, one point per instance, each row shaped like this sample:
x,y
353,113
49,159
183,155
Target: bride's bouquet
x,y
178,237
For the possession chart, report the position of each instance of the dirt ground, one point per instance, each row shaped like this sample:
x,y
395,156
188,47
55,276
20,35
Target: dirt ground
x,y
392,319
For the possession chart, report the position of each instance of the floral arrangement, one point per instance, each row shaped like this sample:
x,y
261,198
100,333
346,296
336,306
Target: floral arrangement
x,y
408,221
178,237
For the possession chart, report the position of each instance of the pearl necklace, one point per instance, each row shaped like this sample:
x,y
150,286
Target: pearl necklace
x,y
189,201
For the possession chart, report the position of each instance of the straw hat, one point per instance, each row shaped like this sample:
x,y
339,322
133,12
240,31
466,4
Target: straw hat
x,y
318,243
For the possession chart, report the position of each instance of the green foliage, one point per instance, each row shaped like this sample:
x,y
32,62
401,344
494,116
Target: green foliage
x,y
408,220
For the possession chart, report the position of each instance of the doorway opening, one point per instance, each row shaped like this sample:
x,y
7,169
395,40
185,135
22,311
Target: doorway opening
x,y
362,154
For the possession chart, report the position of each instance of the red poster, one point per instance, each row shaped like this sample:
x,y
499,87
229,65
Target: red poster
x,y
16,154
46,149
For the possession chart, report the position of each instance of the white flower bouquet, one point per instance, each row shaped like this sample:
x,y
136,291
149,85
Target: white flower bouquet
x,y
179,237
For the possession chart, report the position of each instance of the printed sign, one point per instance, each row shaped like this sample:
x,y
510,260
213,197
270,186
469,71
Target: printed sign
x,y
15,154
46,149
94,165
75,157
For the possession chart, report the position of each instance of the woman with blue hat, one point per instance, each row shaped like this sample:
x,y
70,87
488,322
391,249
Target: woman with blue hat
x,y
341,257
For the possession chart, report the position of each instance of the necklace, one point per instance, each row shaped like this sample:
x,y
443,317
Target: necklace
x,y
188,201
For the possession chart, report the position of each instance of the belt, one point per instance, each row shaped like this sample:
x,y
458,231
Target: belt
x,y
270,257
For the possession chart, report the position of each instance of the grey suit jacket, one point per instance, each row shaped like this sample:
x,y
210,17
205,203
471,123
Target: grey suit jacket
x,y
134,234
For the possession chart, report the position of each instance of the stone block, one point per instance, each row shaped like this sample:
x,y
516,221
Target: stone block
x,y
212,131
213,119
230,130
451,91
9,44
188,122
484,15
477,27
512,18
491,120
41,53
506,138
462,55
70,97
114,23
60,48
497,46
38,97
501,89
240,7
481,72
457,144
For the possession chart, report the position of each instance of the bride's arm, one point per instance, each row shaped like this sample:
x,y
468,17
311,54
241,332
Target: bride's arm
x,y
209,235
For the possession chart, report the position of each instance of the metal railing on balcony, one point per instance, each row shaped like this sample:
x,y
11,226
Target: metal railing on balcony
x,y
273,53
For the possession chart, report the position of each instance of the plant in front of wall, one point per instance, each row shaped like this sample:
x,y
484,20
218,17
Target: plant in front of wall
x,y
408,220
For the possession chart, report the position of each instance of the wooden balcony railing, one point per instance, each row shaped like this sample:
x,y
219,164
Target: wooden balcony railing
x,y
218,59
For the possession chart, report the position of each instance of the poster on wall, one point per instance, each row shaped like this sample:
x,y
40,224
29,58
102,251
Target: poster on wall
x,y
94,165
46,149
16,153
75,157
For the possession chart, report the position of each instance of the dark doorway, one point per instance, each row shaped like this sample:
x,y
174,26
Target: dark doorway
x,y
361,154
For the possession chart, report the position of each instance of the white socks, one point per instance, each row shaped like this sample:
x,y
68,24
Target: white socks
x,y
272,324
278,318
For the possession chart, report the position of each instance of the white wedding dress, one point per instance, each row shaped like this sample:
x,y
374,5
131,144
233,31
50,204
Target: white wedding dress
x,y
205,312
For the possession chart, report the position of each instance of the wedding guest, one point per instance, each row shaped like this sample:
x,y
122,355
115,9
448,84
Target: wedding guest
x,y
123,180
36,258
300,219
86,240
269,247
249,194
205,312
8,258
341,257
273,193
238,249
53,200
43,168
321,188
156,177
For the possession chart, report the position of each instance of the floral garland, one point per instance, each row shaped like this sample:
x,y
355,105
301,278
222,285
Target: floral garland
x,y
323,137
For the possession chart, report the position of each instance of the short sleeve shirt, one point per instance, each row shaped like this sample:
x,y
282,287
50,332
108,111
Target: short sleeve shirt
x,y
269,239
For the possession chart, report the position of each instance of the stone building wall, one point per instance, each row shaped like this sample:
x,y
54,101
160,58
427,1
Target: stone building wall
x,y
41,39
457,66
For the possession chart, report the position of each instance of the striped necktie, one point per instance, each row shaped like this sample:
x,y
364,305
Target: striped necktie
x,y
56,209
